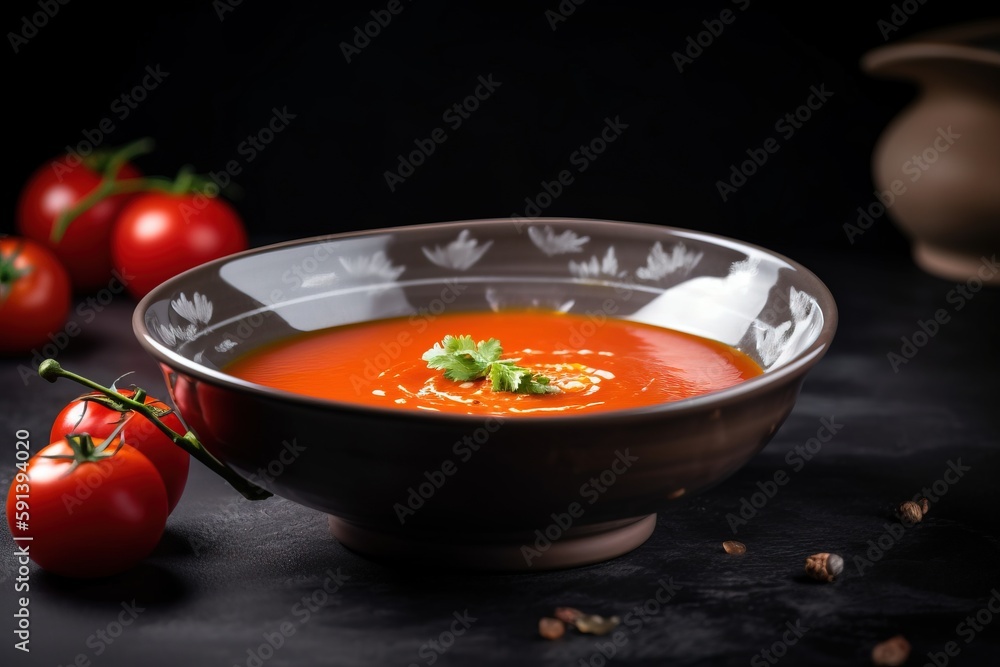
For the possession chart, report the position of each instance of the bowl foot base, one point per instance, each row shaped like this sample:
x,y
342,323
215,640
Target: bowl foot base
x,y
952,265
516,553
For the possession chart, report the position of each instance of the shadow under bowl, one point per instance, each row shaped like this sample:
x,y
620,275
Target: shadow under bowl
x,y
510,493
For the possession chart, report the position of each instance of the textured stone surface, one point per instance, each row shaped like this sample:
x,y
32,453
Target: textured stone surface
x,y
229,573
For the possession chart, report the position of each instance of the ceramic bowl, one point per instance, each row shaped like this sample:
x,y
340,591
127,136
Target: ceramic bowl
x,y
532,493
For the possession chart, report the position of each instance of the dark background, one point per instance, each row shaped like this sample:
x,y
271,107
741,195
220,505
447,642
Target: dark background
x,y
325,172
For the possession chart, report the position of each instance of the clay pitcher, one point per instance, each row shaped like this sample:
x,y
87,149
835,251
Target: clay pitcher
x,y
937,164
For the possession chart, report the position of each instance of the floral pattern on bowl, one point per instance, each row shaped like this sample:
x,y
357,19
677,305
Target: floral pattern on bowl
x,y
742,298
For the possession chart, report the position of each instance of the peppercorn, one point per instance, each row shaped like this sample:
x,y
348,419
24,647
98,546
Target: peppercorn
x,y
893,652
568,614
551,628
824,566
734,547
596,625
910,512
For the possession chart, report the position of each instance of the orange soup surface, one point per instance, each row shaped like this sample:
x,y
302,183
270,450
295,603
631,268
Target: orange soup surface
x,y
596,365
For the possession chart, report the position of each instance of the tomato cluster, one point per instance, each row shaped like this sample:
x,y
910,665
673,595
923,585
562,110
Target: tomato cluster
x,y
95,501
99,416
89,223
85,247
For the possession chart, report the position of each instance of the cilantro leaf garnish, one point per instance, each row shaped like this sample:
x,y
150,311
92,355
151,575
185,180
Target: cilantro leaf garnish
x,y
505,376
462,360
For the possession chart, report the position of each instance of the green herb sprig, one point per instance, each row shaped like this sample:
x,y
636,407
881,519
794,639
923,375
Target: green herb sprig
x,y
462,360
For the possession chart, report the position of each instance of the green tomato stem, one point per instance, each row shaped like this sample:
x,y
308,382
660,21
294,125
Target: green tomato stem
x,y
107,188
110,185
51,370
120,157
114,161
184,181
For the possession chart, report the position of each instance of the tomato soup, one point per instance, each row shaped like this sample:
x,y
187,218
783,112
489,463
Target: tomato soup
x,y
595,365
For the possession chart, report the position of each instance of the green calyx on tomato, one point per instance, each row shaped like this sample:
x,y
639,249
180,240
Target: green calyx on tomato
x,y
9,272
51,371
84,449
111,185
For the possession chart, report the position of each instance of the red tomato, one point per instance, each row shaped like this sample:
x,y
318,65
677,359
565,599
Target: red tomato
x,y
161,235
100,421
85,248
34,295
87,518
